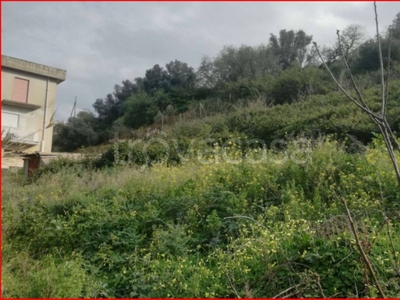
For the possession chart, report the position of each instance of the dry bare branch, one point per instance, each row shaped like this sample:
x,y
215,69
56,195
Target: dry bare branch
x,y
345,59
361,249
287,290
378,37
378,118
231,284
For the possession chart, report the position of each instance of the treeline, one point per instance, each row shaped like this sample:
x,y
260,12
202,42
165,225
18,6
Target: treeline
x,y
283,71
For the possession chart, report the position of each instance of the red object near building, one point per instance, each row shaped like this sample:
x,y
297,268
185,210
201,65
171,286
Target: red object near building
x,y
31,164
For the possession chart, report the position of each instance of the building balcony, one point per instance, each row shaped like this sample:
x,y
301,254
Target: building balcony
x,y
18,136
20,104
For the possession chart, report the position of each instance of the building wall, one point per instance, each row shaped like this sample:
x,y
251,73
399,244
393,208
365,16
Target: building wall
x,y
31,120
30,125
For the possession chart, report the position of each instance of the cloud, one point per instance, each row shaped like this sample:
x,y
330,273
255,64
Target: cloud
x,y
158,45
102,43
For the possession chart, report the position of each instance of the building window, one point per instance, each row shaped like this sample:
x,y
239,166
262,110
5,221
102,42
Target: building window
x,y
20,90
9,119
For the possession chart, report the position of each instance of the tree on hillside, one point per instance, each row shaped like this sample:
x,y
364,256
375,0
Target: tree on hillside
x,y
395,27
140,110
351,38
155,79
206,75
233,64
177,74
109,109
368,55
127,89
291,47
368,52
180,74
79,131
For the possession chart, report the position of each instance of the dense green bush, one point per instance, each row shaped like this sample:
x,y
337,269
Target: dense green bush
x,y
51,276
295,84
146,152
368,57
79,131
58,165
139,110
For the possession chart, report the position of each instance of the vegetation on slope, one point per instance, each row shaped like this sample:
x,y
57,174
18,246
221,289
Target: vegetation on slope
x,y
206,230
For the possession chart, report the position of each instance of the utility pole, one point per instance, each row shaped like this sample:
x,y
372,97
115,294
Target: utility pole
x,y
73,111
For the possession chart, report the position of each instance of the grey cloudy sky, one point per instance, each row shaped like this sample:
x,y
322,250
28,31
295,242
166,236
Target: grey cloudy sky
x,y
101,44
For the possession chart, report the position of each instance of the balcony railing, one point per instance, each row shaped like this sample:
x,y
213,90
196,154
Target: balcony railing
x,y
19,136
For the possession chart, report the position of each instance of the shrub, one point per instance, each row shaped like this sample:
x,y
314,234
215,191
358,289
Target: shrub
x,y
294,84
48,277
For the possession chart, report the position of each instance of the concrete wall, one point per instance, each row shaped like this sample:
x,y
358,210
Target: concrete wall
x,y
33,68
8,161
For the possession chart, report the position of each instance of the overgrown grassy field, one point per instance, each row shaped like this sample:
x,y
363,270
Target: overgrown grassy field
x,y
206,229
